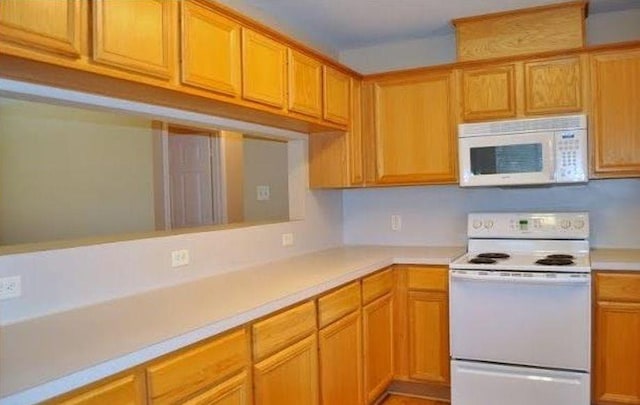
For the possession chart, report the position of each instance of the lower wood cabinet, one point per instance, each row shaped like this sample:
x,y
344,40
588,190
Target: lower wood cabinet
x,y
616,349
288,377
378,346
128,389
234,391
340,320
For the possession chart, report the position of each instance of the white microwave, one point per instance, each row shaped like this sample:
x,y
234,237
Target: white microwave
x,y
523,152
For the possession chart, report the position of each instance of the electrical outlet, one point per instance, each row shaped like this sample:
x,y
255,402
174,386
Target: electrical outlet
x,y
287,239
180,258
263,193
10,287
396,223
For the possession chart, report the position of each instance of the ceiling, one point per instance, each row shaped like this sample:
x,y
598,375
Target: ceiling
x,y
348,24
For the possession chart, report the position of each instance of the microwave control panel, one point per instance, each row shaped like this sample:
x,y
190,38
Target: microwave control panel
x,y
571,156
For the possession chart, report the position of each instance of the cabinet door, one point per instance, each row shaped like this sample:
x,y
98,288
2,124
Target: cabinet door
x,y
305,90
341,361
354,140
429,336
127,390
553,86
617,353
489,93
210,52
52,25
234,391
415,130
616,367
377,324
337,97
289,376
615,117
135,35
264,64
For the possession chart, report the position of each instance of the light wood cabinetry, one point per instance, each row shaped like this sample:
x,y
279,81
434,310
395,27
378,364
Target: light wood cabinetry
x,y
128,389
340,345
234,391
615,113
210,49
553,86
219,367
523,88
337,96
305,84
414,124
264,67
150,51
489,93
616,368
290,376
377,326
428,324
51,26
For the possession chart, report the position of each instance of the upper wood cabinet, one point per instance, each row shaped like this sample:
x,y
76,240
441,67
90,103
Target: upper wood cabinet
x,y
553,86
210,49
52,26
615,113
305,84
616,369
489,92
414,123
523,88
125,390
136,35
337,96
264,66
355,141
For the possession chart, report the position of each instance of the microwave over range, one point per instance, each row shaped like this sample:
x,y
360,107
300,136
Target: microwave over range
x,y
524,152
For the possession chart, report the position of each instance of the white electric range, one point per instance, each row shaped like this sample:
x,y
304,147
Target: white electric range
x,y
520,311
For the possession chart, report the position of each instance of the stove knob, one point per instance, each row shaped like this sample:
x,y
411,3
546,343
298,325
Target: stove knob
x,y
578,224
565,224
476,224
488,224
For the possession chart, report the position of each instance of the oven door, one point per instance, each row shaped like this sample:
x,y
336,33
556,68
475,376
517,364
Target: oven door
x,y
493,384
529,319
511,159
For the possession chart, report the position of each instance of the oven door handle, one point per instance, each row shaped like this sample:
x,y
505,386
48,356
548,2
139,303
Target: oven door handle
x,y
562,279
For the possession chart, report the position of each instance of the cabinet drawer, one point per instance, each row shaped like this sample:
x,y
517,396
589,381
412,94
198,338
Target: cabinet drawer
x,y
377,285
428,278
618,286
337,304
127,390
280,331
179,376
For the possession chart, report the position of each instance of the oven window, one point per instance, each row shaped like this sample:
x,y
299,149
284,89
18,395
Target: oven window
x,y
520,158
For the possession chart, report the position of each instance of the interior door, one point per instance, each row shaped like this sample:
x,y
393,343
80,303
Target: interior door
x,y
191,179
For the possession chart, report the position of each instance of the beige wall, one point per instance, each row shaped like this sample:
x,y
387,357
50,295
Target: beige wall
x,y
265,163
69,173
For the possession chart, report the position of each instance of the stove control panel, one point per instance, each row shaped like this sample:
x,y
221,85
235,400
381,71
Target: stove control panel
x,y
521,225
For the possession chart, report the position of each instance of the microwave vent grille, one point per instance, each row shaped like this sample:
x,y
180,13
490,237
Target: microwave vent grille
x,y
522,126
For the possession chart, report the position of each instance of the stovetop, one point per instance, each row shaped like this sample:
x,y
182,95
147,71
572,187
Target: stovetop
x,y
525,261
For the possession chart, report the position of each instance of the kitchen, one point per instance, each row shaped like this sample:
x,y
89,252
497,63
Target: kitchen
x,y
359,216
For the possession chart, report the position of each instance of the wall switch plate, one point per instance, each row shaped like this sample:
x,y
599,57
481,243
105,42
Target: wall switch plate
x,y
263,193
10,287
287,239
180,258
396,223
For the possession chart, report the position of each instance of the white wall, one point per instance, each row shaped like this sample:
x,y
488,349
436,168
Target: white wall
x,y
436,215
615,26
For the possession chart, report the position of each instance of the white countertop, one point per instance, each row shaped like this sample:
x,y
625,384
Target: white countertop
x,y
47,356
615,259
